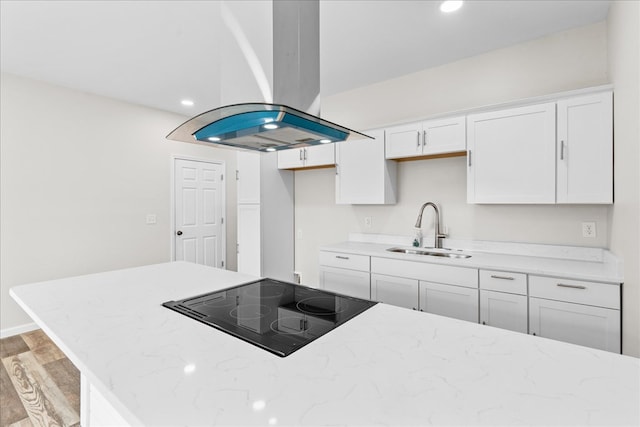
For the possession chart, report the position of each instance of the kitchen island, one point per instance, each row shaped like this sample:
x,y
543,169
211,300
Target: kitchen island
x,y
143,364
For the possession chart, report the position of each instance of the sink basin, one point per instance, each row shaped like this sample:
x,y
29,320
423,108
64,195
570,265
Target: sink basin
x,y
429,252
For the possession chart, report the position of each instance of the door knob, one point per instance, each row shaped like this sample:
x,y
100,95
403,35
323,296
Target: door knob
x,y
179,233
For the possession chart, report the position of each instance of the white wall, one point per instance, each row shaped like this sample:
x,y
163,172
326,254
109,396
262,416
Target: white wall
x,y
624,71
79,174
564,61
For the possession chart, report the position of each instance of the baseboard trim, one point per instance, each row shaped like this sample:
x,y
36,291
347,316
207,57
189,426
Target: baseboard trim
x,y
20,329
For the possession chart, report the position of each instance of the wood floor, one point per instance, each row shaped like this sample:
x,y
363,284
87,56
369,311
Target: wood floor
x,y
39,386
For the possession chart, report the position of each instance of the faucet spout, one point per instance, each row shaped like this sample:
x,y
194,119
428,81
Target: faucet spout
x,y
437,243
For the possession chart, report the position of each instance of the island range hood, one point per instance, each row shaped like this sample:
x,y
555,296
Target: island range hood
x,y
261,127
292,120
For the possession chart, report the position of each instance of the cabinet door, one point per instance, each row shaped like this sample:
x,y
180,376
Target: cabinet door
x,y
248,166
511,155
291,159
586,325
448,300
346,282
249,253
403,141
363,175
395,291
585,149
444,135
502,310
320,155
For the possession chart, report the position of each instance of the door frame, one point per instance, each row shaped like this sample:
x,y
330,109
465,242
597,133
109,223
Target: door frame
x,y
172,207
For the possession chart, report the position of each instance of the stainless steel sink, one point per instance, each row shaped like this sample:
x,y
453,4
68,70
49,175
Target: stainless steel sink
x,y
429,252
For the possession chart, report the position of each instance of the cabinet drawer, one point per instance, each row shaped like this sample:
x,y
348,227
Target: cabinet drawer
x,y
343,260
589,293
502,281
459,276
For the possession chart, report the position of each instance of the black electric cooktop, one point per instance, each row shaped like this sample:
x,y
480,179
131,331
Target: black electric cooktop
x,y
277,316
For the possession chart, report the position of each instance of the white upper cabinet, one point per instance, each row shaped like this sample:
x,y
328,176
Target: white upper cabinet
x,y
307,157
556,152
431,137
511,155
363,174
585,149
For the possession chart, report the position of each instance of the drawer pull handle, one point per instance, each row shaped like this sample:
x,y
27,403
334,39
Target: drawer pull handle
x,y
342,257
562,285
502,277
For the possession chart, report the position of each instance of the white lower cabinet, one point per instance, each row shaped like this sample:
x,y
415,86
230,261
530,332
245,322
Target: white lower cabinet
x,y
458,302
395,291
346,282
595,327
579,312
574,311
503,300
503,310
345,274
441,289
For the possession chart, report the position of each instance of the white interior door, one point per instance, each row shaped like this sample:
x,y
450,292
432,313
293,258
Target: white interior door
x,y
199,209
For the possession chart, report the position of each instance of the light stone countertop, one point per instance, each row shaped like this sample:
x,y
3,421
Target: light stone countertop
x,y
567,262
387,366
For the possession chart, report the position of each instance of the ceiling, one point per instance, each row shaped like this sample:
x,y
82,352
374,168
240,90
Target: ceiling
x,y
156,53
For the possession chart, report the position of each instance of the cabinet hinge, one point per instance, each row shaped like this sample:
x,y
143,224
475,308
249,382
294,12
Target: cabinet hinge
x,y
222,263
221,220
237,175
221,177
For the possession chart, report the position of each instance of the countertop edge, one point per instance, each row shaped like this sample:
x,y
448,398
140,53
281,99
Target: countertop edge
x,y
494,261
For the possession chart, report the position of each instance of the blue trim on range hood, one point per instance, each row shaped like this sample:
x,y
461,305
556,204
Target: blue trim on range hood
x,y
243,126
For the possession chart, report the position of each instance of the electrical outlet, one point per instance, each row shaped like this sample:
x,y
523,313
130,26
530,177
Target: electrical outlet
x,y
367,222
151,219
588,229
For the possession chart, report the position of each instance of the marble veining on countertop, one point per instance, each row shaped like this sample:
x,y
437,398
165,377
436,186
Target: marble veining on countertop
x,y
592,264
388,366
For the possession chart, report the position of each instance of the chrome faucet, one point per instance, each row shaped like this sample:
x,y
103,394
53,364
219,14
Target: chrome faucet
x,y
437,243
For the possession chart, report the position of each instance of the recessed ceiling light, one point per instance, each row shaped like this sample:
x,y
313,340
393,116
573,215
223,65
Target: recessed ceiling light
x,y
450,5
271,126
325,141
270,149
213,139
187,102
259,405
